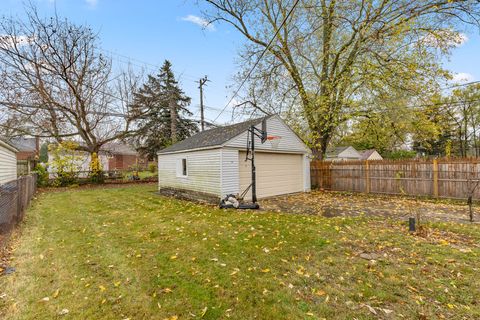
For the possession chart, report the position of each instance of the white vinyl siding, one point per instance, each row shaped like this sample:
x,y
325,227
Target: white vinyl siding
x,y
203,171
307,184
230,174
289,142
8,164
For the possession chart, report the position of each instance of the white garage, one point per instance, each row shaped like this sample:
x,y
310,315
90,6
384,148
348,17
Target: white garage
x,y
211,164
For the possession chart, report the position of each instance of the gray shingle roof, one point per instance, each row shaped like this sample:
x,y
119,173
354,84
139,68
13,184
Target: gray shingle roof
x,y
366,153
334,152
24,144
7,144
212,137
119,148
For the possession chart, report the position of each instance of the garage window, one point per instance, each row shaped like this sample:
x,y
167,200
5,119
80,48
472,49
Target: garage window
x,y
182,167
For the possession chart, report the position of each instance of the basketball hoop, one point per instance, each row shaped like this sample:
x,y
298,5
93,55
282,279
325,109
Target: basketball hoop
x,y
274,141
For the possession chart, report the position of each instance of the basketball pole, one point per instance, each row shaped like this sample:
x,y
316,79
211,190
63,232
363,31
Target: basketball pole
x,y
262,135
254,175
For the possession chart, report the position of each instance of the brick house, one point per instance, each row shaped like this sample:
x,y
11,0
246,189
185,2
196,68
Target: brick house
x,y
28,153
122,157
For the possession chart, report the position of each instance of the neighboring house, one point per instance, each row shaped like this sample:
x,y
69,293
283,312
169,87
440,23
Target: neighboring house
x,y
113,156
371,154
342,153
8,162
122,157
211,164
28,153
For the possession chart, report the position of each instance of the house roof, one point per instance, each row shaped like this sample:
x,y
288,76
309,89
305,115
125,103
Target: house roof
x,y
365,154
213,137
24,144
334,152
6,144
119,148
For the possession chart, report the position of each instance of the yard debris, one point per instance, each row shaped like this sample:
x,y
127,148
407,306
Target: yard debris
x,y
8,270
63,312
204,311
370,256
332,204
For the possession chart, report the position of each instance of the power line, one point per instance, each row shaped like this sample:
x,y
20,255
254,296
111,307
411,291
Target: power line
x,y
153,67
460,85
259,58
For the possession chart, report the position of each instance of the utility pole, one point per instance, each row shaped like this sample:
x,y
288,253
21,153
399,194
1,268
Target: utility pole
x,y
202,117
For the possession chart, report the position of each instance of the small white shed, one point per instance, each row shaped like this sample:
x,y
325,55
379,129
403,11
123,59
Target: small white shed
x,y
8,162
212,163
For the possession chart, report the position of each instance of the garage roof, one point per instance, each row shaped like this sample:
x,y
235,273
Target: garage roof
x,y
4,142
213,137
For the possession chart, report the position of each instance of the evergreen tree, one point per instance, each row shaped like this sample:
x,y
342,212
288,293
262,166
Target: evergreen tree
x,y
162,107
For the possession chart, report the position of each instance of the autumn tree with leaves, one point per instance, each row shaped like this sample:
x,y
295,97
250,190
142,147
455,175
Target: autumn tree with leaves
x,y
329,59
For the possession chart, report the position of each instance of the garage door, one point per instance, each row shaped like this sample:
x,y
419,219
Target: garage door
x,y
277,173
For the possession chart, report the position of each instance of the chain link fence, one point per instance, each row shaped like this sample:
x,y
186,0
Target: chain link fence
x,y
15,197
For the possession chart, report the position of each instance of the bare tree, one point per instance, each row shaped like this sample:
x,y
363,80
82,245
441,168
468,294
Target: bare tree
x,y
56,81
329,55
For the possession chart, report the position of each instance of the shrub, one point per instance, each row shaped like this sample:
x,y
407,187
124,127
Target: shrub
x,y
96,173
64,163
152,167
400,154
42,175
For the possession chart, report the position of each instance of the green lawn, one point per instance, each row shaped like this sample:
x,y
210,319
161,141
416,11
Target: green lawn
x,y
128,253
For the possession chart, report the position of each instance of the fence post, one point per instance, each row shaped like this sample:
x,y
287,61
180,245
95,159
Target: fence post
x,y
367,177
435,178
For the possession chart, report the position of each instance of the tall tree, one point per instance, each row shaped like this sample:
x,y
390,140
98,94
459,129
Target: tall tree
x,y
55,82
330,55
163,112
390,126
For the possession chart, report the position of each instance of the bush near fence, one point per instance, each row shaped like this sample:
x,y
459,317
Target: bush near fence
x,y
445,178
109,177
15,196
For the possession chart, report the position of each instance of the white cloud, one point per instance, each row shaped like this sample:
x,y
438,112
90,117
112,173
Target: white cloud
x,y
462,39
92,3
462,77
200,22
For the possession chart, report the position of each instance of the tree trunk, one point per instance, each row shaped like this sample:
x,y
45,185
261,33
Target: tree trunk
x,y
173,121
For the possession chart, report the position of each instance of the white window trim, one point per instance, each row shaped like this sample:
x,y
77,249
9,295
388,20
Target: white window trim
x,y
180,167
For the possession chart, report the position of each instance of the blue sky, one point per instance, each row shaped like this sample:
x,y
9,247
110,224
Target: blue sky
x,y
146,32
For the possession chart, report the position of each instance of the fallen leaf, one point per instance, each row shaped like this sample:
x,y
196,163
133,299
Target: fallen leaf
x,y
204,311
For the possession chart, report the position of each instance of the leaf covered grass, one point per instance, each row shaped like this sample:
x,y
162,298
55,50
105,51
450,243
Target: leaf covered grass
x,y
129,253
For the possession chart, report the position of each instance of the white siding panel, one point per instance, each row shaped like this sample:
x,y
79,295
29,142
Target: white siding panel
x,y
203,171
306,173
289,142
8,165
230,174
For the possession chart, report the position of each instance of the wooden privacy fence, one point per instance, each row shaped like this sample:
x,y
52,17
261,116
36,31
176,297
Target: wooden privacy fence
x,y
446,178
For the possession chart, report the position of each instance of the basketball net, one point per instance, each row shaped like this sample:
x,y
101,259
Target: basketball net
x,y
274,141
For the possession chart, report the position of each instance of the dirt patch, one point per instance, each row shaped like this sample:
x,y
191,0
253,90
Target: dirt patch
x,y
337,204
